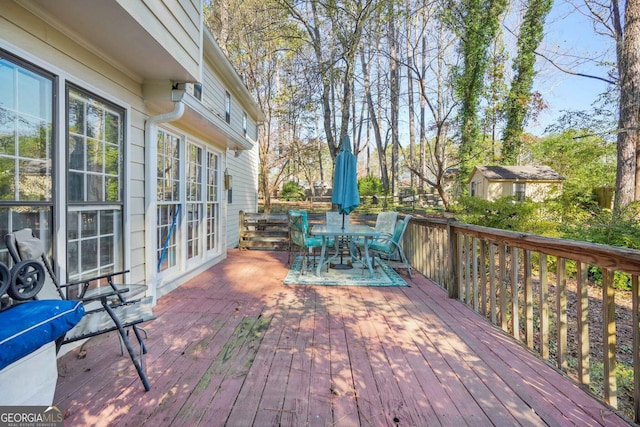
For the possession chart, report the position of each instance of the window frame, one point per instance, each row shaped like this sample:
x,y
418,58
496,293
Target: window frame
x,y
227,106
520,190
107,234
244,123
18,213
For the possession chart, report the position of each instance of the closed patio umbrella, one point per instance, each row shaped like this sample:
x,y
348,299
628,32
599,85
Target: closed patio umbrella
x,y
345,180
345,186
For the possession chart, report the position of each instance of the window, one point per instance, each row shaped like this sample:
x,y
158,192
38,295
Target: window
x,y
197,91
168,207
188,224
244,123
194,201
213,200
519,190
27,129
95,143
473,188
227,107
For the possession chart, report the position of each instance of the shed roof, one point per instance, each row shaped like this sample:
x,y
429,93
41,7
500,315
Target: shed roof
x,y
518,173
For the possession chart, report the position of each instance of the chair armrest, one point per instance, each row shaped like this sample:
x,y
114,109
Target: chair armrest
x,y
384,236
86,294
91,279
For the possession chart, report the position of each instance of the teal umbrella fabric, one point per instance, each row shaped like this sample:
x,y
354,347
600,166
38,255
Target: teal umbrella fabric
x,y
345,180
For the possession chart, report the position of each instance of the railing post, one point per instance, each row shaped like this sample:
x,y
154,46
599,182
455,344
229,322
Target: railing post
x,y
453,279
609,338
241,229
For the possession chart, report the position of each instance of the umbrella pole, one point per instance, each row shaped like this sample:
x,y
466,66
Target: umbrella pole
x,y
342,266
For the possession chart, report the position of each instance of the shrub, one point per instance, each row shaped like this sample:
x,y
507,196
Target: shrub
x,y
608,228
292,192
370,186
505,213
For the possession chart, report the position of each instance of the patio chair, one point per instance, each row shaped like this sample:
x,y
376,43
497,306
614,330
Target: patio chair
x,y
299,237
386,246
385,225
110,306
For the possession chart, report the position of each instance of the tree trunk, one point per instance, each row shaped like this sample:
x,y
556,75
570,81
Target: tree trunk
x,y
627,178
394,103
374,123
423,124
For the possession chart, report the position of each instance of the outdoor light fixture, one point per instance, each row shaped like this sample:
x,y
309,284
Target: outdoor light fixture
x,y
228,180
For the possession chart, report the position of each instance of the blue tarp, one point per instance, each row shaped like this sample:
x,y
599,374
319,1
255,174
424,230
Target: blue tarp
x,y
28,326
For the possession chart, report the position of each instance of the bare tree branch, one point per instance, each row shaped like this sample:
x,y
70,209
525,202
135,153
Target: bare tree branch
x,y
564,70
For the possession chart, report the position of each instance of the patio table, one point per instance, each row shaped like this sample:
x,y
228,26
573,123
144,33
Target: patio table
x,y
349,231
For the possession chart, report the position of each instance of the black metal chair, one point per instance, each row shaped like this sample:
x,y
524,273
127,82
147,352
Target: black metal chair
x,y
116,307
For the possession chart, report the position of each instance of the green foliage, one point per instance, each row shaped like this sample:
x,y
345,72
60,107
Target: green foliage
x,y
370,186
621,281
585,162
624,381
608,228
291,191
477,23
519,100
505,213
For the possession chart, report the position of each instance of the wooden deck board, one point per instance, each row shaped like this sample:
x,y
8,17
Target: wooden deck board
x,y
295,409
234,346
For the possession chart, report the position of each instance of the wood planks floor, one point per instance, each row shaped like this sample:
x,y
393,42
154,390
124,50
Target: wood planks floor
x,y
236,347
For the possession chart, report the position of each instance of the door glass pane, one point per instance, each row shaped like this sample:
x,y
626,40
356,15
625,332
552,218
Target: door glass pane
x,y
213,188
168,208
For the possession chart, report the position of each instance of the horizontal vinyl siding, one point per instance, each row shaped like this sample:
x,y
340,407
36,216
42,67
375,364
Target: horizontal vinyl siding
x,y
244,170
175,24
212,92
213,97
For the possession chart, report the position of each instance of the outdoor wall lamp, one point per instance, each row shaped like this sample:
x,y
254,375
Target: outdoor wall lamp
x,y
228,180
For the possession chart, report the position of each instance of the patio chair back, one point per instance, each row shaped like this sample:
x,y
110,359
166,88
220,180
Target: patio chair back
x,y
298,227
299,236
386,222
335,219
386,246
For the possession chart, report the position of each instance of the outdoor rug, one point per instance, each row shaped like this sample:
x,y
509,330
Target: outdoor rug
x,y
384,275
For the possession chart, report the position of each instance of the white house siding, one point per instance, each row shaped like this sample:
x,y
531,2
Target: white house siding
x,y
244,170
213,97
176,25
213,91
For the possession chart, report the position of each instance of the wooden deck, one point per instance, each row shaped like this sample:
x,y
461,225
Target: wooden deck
x,y
236,347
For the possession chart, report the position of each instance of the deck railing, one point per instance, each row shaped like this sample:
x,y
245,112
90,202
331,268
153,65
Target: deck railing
x,y
537,289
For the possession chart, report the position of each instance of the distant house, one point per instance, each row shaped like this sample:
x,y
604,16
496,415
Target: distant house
x,y
534,182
